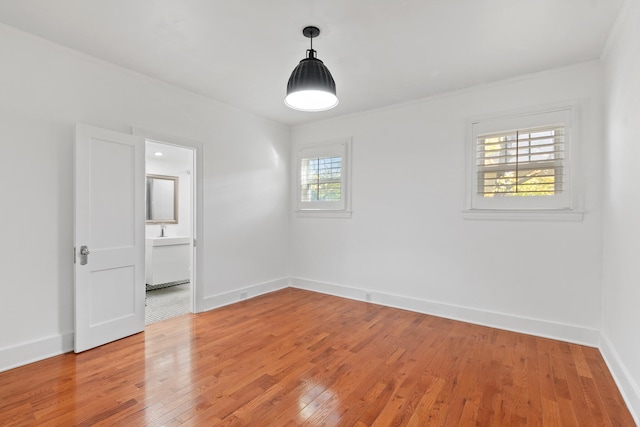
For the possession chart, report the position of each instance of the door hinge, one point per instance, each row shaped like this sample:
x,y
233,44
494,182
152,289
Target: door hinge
x,y
74,254
194,243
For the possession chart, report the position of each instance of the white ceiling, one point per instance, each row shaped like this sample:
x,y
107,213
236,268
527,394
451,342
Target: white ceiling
x,y
172,155
380,52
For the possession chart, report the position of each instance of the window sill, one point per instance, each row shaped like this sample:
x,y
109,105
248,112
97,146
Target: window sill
x,y
567,215
317,213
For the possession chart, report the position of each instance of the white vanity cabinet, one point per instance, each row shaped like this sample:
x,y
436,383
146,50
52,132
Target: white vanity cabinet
x,y
167,259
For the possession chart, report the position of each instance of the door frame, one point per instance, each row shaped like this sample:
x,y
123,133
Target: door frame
x,y
197,292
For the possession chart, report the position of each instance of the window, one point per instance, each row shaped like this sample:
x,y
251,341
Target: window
x,y
322,178
526,162
522,163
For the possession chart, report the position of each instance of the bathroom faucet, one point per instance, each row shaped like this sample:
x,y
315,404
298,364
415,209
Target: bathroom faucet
x,y
162,228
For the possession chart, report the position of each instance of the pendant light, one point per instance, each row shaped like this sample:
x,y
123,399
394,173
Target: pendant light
x,y
311,87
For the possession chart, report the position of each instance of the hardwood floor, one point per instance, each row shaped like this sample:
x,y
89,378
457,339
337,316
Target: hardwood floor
x,y
294,357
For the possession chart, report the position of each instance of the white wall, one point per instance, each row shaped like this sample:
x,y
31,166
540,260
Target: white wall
x,y
407,243
621,296
44,90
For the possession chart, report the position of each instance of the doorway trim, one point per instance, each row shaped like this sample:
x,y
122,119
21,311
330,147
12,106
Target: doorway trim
x,y
198,203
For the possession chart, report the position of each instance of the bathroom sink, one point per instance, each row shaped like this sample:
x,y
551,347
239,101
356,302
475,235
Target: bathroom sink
x,y
166,241
167,259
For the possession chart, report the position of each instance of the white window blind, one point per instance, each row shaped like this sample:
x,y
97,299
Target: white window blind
x,y
525,163
321,179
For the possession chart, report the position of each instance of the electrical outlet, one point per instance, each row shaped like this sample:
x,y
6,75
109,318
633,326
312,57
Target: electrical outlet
x,y
243,295
367,296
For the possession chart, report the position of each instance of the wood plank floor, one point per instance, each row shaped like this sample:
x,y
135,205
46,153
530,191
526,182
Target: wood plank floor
x,y
294,357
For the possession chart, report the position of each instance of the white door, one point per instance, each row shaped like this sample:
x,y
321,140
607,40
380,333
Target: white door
x,y
109,226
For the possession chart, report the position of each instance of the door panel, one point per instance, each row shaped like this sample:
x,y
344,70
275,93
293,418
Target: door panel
x,y
109,220
113,171
109,288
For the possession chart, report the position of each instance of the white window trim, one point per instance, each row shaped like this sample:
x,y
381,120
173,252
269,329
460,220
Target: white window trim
x,y
340,146
528,211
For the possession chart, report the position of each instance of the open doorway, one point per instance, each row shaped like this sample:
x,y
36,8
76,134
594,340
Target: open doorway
x,y
170,225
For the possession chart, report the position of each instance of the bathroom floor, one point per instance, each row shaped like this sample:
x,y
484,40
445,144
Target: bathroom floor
x,y
166,303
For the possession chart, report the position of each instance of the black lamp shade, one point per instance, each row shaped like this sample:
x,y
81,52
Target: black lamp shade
x,y
311,87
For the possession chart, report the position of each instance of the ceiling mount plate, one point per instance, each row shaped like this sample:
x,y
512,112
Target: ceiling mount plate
x,y
311,31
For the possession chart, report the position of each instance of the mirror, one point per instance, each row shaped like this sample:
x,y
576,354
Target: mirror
x,y
162,199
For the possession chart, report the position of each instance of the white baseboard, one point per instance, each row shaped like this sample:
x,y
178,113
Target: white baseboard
x,y
541,328
215,301
33,351
628,388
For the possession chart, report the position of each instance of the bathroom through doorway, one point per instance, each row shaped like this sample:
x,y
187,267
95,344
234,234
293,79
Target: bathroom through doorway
x,y
169,230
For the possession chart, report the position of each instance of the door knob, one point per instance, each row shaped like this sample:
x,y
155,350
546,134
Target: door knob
x,y
84,252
